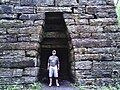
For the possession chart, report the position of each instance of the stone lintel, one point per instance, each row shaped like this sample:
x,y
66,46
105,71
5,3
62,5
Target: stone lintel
x,y
54,9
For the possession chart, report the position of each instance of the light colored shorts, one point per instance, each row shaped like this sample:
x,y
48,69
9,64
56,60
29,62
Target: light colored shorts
x,y
53,71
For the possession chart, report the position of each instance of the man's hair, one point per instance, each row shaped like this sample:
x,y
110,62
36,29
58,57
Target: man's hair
x,y
53,51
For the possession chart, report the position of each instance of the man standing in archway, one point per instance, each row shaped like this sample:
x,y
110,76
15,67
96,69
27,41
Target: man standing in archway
x,y
53,67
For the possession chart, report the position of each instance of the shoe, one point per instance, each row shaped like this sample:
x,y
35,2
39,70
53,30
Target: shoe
x,y
57,84
50,85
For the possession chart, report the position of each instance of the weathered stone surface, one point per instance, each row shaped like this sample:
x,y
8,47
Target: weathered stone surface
x,y
32,16
17,62
91,43
79,57
53,9
88,29
102,65
23,37
66,2
3,31
18,46
6,72
11,23
29,79
6,9
23,9
31,53
8,16
38,22
26,30
105,21
81,21
83,65
27,2
35,38
102,73
32,71
69,21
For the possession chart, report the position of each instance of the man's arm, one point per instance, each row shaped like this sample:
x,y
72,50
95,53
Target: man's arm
x,y
48,65
58,65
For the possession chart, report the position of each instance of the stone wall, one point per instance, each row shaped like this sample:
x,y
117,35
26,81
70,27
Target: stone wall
x,y
95,39
91,24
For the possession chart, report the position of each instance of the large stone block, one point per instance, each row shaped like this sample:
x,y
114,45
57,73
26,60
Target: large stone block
x,y
91,43
53,9
111,28
103,21
11,23
106,57
31,53
66,3
81,21
23,9
83,65
8,16
6,72
18,62
23,37
32,16
44,2
19,46
102,73
6,9
36,38
14,2
79,57
105,50
83,74
3,31
102,65
32,71
88,29
27,2
29,79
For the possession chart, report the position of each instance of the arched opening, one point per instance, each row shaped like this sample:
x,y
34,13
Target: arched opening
x,y
55,37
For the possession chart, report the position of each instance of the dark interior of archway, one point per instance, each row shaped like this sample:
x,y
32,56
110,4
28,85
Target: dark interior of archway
x,y
55,37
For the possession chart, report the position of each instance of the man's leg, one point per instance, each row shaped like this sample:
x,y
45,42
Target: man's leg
x,y
56,75
50,76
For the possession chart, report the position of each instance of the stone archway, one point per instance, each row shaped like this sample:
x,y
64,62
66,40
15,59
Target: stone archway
x,y
55,36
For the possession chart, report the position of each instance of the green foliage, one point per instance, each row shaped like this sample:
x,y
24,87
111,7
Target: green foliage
x,y
34,86
118,12
13,87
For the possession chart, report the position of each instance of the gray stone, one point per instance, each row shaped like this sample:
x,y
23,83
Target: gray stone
x,y
29,79
3,31
53,9
35,38
6,9
32,16
32,71
15,2
105,21
31,53
11,23
38,22
17,63
8,16
79,57
27,2
102,65
69,21
83,65
18,46
81,21
23,9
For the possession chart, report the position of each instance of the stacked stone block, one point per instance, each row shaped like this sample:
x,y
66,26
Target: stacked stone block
x,y
92,27
20,36
95,38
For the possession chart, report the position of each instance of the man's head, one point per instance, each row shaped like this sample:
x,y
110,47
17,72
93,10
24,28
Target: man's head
x,y
53,52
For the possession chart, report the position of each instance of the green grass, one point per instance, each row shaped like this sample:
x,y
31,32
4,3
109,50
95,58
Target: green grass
x,y
118,12
34,86
93,87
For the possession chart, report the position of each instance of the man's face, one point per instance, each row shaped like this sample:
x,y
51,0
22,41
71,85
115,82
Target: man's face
x,y
54,53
